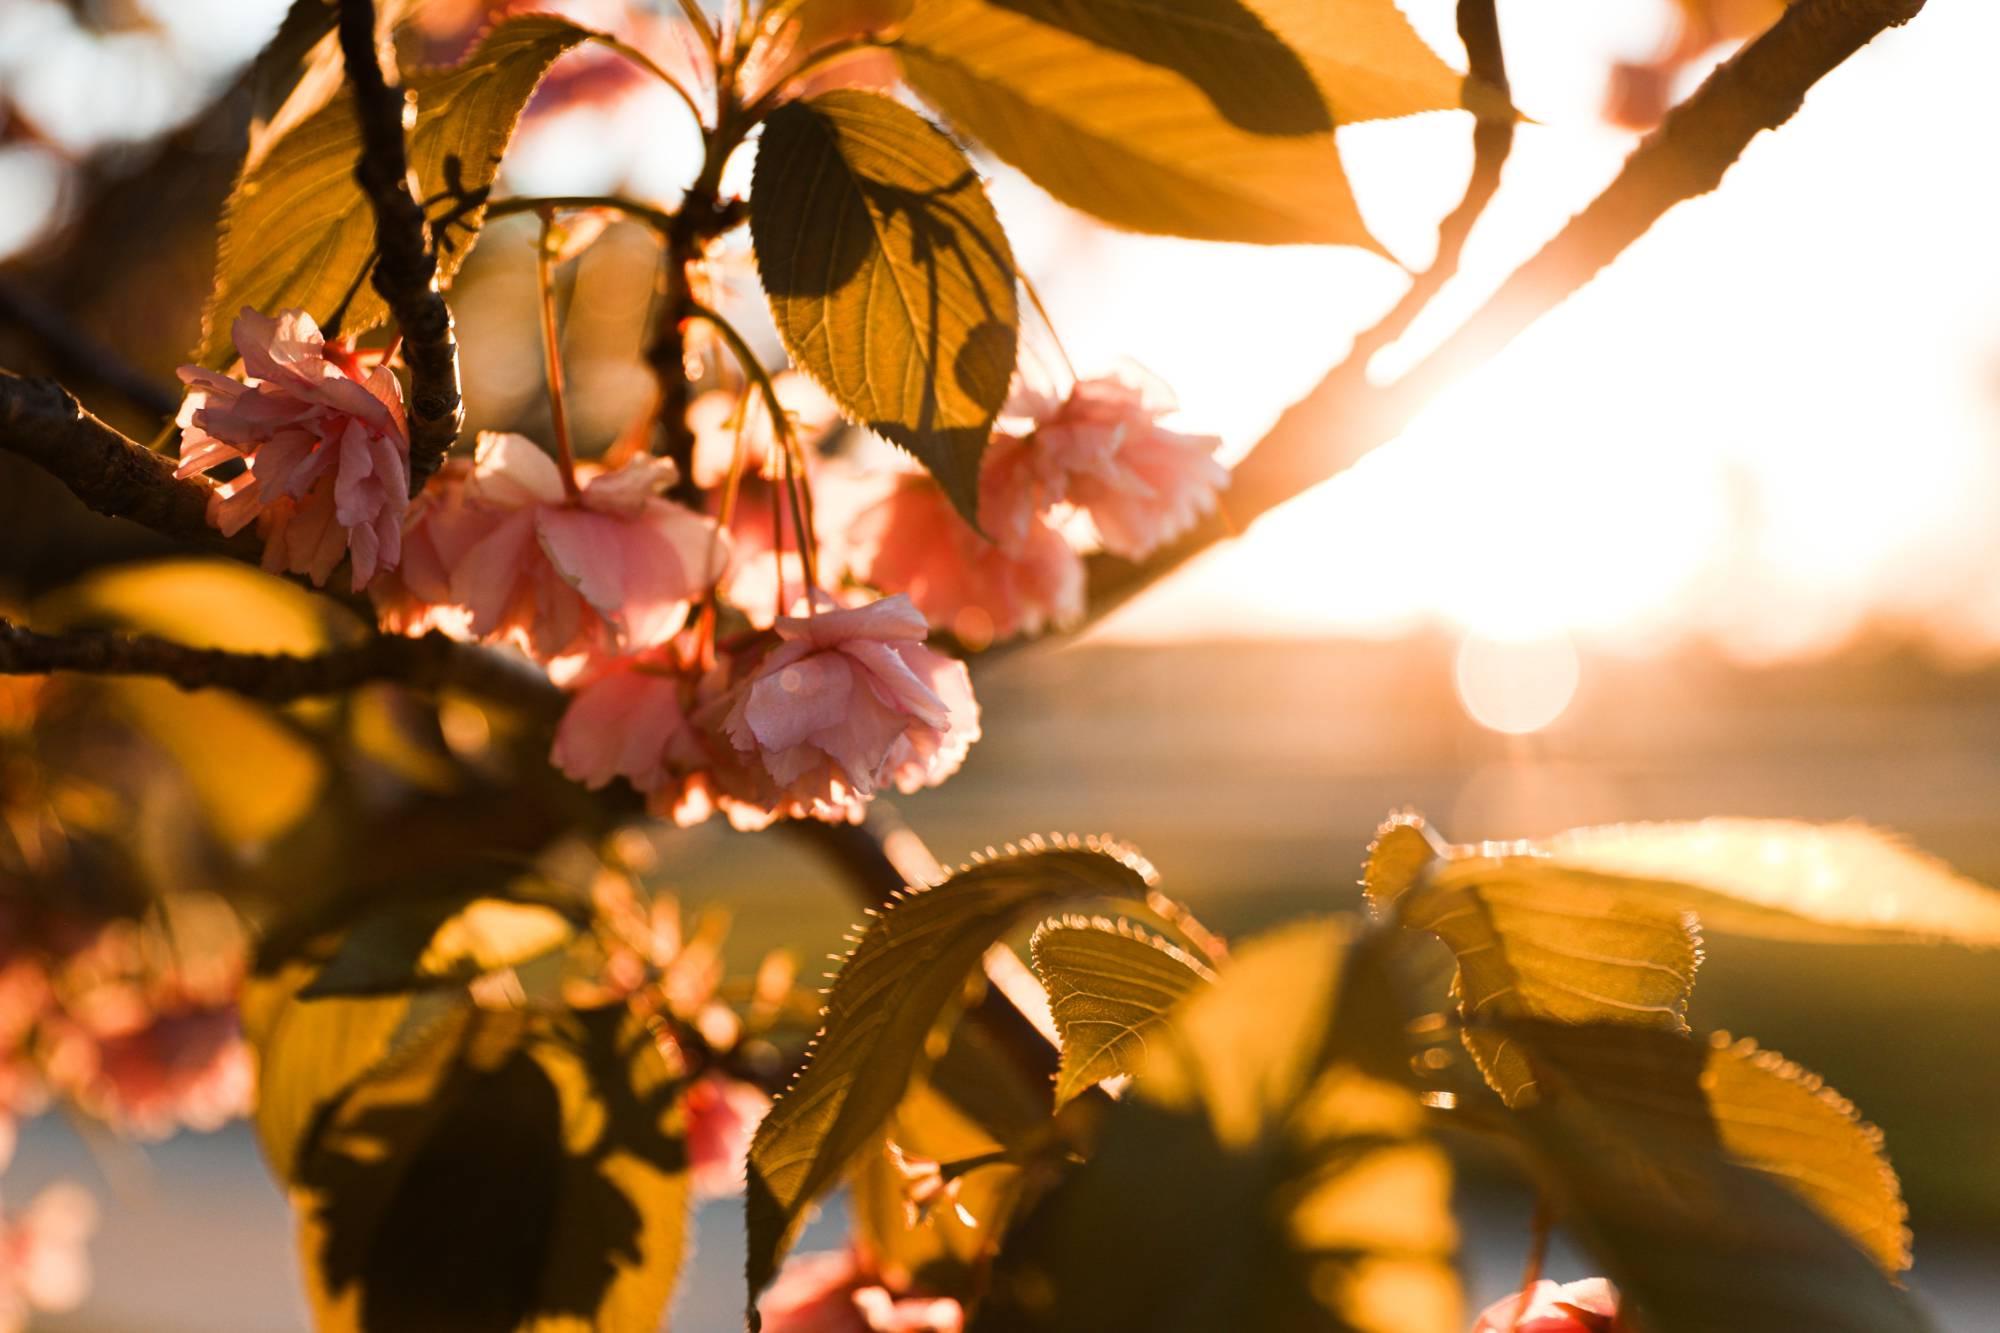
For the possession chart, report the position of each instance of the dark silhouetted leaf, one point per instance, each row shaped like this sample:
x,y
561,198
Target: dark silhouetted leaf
x,y
883,1005
505,1172
889,276
1704,1176
1253,1177
1128,139
298,231
1110,985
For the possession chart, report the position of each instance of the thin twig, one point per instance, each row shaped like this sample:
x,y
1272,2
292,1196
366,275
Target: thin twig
x,y
406,263
659,219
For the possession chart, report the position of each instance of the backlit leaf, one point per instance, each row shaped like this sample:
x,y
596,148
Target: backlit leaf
x,y
424,944
1110,984
1253,1177
1129,139
1402,850
508,1172
1779,878
883,1005
1714,1183
1369,63
889,276
299,232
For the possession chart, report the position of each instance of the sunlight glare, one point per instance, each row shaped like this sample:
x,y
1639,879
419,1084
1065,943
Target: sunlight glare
x,y
1516,686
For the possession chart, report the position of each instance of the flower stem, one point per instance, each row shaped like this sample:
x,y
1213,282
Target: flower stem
x,y
651,66
1538,1250
552,356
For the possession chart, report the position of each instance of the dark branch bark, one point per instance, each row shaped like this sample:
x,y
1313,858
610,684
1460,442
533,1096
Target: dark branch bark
x,y
405,263
1343,417
43,423
427,663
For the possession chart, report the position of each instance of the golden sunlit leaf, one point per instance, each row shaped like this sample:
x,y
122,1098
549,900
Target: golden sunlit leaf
x,y
906,969
1369,63
201,603
889,276
1110,985
423,944
299,232
1253,1177
1773,877
1402,850
1130,140
1721,1187
507,1171
253,776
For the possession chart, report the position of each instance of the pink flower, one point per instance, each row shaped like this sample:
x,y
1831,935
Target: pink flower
x,y
1589,1306
325,448
505,553
631,718
43,1265
183,1067
722,1116
912,541
831,1293
1103,451
851,701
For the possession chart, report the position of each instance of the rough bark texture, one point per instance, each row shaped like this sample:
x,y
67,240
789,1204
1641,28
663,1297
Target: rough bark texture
x,y
405,264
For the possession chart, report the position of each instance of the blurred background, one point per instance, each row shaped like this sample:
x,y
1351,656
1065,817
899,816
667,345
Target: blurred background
x,y
1719,535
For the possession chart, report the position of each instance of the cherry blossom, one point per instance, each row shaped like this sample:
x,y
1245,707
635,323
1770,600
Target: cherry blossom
x,y
850,701
43,1265
632,718
910,540
722,1116
834,1293
324,446
1102,450
506,552
1588,1306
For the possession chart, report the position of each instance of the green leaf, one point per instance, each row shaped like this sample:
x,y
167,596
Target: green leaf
x,y
1585,955
1110,984
508,1172
1778,878
889,276
908,967
421,945
309,1054
1253,1177
1369,63
299,232
1698,1176
1128,139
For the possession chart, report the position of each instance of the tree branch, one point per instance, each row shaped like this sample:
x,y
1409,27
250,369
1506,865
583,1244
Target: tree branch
x,y
77,353
1343,417
43,423
431,662
405,263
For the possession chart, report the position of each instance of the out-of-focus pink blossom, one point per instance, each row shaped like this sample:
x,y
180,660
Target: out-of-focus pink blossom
x,y
833,1293
505,553
722,1116
850,701
912,541
1103,450
1588,1306
184,1067
325,448
43,1264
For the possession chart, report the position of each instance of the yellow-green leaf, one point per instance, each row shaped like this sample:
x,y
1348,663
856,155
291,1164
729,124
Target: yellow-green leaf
x,y
1720,1188
299,232
426,944
507,1172
889,276
1126,139
1254,1177
1110,984
888,996
1779,878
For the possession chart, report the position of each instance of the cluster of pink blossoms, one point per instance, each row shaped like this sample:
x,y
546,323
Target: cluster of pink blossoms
x,y
1588,1306
836,1293
595,573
